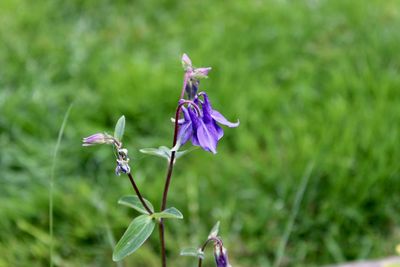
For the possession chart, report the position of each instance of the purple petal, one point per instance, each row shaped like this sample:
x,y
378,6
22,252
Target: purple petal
x,y
221,256
185,129
207,110
195,122
207,137
215,114
219,130
185,133
186,115
221,119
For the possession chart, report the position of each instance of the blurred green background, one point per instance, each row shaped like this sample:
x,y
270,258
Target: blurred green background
x,y
312,82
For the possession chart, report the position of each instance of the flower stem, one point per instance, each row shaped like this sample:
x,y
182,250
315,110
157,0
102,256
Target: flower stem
x,y
138,194
169,175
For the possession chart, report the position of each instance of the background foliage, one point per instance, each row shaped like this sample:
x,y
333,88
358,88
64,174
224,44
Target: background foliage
x,y
311,81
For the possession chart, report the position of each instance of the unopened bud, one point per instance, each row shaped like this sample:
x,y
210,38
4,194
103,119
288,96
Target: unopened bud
x,y
98,138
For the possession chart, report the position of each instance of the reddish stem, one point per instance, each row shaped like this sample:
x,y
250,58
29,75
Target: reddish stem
x,y
169,174
138,194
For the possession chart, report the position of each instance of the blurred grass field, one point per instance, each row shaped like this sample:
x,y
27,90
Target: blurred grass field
x,y
311,82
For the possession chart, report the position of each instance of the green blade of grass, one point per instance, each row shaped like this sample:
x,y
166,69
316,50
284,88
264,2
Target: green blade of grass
x,y
293,214
52,174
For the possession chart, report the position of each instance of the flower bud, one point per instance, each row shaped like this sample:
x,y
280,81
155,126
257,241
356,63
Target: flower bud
x,y
221,255
122,167
98,138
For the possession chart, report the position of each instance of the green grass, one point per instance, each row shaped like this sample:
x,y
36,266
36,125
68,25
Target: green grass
x,y
310,81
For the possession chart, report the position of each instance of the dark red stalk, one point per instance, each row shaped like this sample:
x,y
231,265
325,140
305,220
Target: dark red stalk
x,y
138,194
169,174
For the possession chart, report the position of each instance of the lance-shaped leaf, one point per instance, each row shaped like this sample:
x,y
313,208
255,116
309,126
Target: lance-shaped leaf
x,y
138,231
162,151
135,203
192,252
170,213
119,128
165,152
214,231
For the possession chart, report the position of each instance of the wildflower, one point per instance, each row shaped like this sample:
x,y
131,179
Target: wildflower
x,y
98,138
203,129
221,255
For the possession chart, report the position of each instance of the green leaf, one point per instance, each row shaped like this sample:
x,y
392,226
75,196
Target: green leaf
x,y
184,152
170,213
162,151
119,128
214,231
138,231
165,152
192,252
135,203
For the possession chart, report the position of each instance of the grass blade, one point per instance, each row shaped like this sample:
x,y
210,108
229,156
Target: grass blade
x,y
293,214
52,174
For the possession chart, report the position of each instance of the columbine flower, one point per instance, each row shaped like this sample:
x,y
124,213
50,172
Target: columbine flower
x,y
221,255
203,129
98,138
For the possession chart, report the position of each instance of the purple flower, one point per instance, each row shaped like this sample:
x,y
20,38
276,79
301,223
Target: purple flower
x,y
221,255
98,138
203,129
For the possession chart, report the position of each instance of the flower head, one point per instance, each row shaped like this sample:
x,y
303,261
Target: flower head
x,y
202,128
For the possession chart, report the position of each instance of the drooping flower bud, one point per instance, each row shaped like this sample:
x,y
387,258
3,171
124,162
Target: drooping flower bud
x,y
122,162
221,255
98,138
122,167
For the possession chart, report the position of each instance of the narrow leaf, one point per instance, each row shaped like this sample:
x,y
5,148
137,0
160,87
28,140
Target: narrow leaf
x,y
170,213
192,252
138,231
214,231
162,151
119,128
184,152
135,203
165,152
